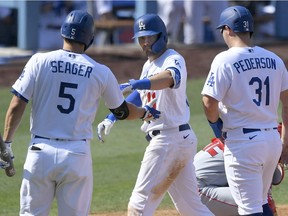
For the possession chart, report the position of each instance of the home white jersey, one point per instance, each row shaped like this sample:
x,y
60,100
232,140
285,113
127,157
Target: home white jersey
x,y
172,102
250,86
66,87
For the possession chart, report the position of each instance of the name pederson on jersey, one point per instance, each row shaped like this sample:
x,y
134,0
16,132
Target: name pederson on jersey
x,y
250,87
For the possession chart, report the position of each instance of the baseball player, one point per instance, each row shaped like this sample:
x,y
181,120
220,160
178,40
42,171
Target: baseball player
x,y
249,81
65,87
167,164
212,182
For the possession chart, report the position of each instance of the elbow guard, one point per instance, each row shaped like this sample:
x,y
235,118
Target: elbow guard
x,y
122,112
176,76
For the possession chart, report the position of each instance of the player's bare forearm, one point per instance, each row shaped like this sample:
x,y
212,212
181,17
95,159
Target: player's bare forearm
x,y
284,100
210,106
135,112
162,80
13,117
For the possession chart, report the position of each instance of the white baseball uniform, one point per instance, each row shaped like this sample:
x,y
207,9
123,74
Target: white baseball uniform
x,y
212,182
248,81
65,89
167,164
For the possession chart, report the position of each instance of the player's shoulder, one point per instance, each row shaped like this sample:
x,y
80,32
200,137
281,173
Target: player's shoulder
x,y
265,51
172,55
270,54
45,55
39,57
99,67
223,56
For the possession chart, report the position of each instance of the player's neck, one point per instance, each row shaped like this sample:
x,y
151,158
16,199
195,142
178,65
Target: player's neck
x,y
76,48
155,56
241,43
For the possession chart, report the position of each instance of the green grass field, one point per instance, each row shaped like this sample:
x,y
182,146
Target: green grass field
x,y
115,163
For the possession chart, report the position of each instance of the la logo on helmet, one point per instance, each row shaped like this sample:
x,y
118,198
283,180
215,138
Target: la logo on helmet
x,y
141,26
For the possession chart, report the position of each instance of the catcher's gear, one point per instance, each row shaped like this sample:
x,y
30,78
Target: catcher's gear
x,y
151,24
7,156
79,26
278,174
237,18
104,126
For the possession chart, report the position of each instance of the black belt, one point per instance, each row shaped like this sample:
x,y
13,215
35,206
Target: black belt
x,y
251,130
57,139
157,132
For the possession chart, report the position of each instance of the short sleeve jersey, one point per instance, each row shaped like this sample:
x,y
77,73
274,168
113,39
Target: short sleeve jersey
x,y
172,102
65,89
248,81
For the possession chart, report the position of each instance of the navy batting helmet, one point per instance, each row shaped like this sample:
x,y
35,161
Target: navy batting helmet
x,y
79,26
237,18
151,24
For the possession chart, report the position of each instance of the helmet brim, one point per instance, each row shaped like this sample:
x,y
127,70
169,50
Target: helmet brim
x,y
220,26
144,33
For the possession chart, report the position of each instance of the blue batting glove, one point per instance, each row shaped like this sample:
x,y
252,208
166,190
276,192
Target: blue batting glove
x,y
151,114
140,84
126,88
135,84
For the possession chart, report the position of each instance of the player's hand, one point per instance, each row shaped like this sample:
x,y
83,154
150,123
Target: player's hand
x,y
151,113
3,164
9,149
284,155
144,83
104,127
126,88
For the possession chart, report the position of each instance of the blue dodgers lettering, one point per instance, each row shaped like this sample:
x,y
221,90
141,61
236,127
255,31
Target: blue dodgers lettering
x,y
255,63
71,68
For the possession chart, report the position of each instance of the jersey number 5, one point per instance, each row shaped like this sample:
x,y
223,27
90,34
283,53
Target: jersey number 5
x,y
62,94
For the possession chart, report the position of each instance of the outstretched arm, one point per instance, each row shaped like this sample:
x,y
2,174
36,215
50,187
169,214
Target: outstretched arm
x,y
166,79
131,109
